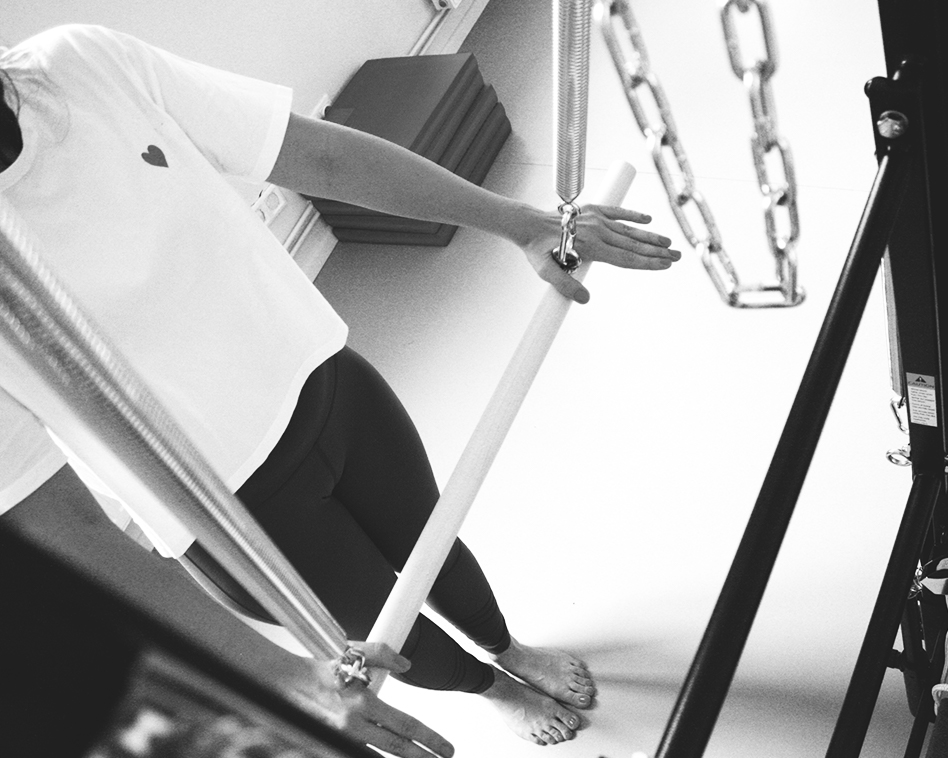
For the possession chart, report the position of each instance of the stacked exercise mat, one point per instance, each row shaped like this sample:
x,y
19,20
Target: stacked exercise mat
x,y
437,106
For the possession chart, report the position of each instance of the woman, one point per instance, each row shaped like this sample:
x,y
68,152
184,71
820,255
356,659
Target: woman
x,y
114,152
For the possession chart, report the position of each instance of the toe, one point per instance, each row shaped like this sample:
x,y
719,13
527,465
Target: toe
x,y
565,731
563,717
577,697
583,684
578,681
548,737
583,688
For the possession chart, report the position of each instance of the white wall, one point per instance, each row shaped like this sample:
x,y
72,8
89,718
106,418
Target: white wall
x,y
312,46
612,513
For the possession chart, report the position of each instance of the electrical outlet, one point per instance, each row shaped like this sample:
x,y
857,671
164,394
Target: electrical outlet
x,y
319,110
269,204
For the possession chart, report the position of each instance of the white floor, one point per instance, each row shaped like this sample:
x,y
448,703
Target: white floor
x,y
611,516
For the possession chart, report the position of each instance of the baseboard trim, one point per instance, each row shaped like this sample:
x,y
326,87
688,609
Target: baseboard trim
x,y
314,247
317,242
454,29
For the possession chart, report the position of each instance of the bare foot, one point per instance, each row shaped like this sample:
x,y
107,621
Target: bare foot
x,y
560,675
531,714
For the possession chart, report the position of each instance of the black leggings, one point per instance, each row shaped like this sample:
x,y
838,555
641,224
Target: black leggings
x,y
345,494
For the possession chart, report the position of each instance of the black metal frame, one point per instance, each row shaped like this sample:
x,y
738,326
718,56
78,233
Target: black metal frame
x,y
909,183
80,664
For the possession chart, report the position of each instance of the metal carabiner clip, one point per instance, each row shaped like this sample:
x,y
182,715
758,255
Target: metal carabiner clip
x,y
351,668
565,255
897,403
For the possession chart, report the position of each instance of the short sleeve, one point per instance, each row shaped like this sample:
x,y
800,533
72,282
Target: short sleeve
x,y
28,456
238,123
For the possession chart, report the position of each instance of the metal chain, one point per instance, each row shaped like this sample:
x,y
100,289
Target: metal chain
x,y
780,206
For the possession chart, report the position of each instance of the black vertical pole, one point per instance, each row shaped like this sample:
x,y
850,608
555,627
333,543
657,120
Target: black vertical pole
x,y
705,688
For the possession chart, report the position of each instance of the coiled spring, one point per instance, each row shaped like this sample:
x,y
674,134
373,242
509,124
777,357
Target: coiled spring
x,y
572,25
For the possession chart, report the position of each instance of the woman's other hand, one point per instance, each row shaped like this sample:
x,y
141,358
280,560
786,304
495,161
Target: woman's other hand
x,y
359,713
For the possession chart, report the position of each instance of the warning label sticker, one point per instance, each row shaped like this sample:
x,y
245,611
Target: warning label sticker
x,y
921,399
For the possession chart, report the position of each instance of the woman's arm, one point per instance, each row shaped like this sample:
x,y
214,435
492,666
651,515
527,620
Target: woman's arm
x,y
327,160
64,518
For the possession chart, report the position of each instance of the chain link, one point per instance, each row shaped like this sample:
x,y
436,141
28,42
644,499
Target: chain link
x,y
781,218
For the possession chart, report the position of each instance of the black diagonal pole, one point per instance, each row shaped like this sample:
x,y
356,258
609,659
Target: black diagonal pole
x,y
854,717
712,670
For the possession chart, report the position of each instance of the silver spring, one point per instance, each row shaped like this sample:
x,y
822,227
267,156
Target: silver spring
x,y
572,24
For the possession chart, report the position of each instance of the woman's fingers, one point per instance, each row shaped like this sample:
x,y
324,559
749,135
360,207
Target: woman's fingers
x,y
566,285
397,733
638,235
380,655
618,213
602,235
627,252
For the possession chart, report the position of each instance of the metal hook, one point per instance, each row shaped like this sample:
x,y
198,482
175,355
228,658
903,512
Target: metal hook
x,y
897,403
900,456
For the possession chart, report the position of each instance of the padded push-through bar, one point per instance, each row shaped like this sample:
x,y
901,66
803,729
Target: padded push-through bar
x,y
102,406
434,544
571,24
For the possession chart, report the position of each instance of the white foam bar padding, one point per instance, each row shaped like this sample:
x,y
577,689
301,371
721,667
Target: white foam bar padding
x,y
423,565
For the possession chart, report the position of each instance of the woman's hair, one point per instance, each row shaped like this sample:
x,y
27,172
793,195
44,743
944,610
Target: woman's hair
x,y
10,135
24,82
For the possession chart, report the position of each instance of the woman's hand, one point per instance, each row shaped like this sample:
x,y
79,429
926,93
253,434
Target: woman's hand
x,y
603,233
361,715
329,160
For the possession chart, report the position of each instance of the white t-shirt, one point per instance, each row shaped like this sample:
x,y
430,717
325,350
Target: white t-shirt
x,y
120,180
